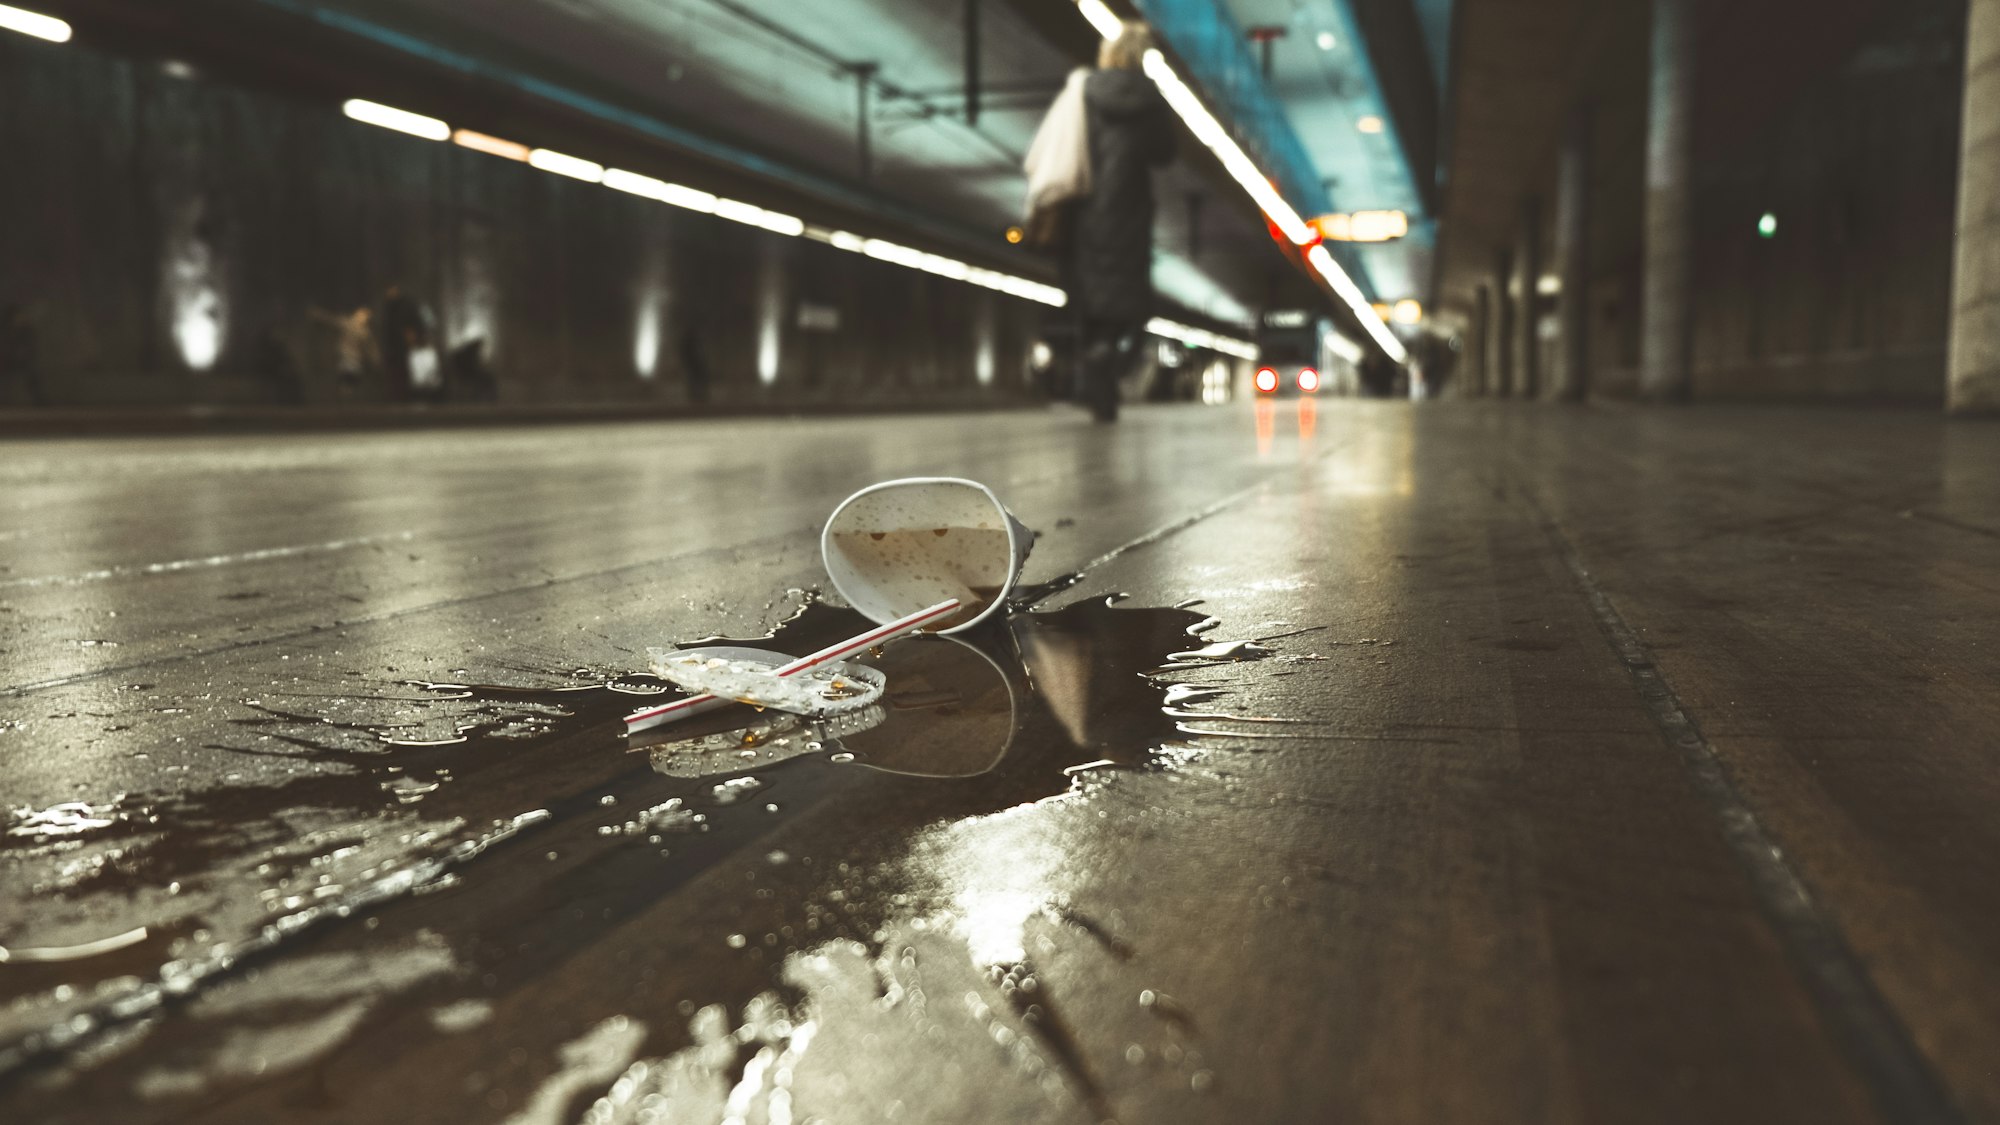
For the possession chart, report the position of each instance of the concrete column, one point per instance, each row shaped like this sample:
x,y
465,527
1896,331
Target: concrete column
x,y
1528,366
1666,317
1482,331
1973,382
1571,379
1502,366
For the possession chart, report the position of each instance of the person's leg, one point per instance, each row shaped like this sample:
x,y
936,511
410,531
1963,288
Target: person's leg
x,y
1103,352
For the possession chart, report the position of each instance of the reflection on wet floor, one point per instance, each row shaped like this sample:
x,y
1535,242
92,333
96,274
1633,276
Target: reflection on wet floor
x,y
535,808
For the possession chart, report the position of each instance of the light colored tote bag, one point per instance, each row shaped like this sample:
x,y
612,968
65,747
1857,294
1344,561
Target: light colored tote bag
x,y
1058,162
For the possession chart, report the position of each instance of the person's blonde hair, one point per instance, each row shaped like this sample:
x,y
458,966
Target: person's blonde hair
x,y
1128,50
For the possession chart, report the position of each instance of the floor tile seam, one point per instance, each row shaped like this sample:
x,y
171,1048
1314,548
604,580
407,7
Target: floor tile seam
x,y
1876,1039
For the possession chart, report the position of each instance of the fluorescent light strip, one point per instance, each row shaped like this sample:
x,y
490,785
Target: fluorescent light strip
x,y
34,23
575,167
632,183
1351,294
1210,132
756,216
1100,17
491,146
1201,338
401,120
635,184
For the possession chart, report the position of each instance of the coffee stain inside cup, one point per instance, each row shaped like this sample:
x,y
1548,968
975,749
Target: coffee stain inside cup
x,y
932,564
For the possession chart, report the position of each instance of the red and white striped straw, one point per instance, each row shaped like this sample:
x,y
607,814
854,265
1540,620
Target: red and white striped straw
x,y
695,704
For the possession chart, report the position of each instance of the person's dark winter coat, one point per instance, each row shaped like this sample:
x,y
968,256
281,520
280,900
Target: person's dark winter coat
x,y
1130,130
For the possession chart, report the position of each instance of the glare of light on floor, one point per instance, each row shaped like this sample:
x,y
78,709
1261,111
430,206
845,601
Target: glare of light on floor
x,y
34,23
562,164
401,120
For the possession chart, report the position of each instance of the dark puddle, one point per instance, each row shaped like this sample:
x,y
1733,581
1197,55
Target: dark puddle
x,y
586,833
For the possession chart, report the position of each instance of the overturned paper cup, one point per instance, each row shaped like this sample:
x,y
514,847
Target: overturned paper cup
x,y
893,548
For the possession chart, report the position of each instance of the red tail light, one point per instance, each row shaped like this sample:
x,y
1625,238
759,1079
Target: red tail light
x,y
1267,380
1308,380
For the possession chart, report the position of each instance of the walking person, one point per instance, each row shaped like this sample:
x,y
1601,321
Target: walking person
x,y
356,352
405,334
1106,231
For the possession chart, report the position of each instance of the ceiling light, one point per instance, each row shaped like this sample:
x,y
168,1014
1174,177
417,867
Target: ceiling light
x,y
575,167
1408,311
1342,346
1210,132
1201,338
1326,41
1100,17
635,184
401,120
1363,226
1369,124
492,146
34,23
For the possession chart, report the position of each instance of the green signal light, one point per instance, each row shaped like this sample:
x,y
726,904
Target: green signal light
x,y
1767,225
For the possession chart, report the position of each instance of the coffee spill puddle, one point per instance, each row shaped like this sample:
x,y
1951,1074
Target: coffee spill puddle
x,y
566,820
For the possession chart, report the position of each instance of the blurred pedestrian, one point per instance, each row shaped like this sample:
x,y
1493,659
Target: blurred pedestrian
x,y
405,338
1130,131
20,349
356,353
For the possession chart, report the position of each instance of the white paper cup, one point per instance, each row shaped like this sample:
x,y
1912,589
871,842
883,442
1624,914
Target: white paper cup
x,y
893,548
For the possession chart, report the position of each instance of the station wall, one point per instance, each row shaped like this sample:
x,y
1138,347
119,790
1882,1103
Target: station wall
x,y
1848,298
172,238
